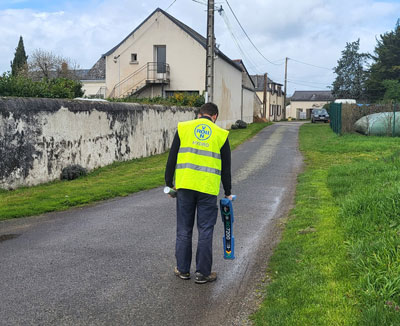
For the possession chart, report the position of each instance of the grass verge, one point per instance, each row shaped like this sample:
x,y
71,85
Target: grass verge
x,y
118,179
339,259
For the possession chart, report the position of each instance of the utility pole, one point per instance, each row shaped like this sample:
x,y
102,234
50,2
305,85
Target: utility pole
x,y
210,52
284,97
265,96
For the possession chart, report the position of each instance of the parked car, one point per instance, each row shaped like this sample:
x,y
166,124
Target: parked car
x,y
319,115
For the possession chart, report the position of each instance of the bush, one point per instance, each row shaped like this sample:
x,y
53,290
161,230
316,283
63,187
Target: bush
x,y
239,124
21,86
178,99
72,172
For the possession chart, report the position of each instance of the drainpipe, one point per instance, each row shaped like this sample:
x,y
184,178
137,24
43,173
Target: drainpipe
x,y
117,57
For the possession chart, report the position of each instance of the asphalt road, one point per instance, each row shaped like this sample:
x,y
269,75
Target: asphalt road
x,y
112,263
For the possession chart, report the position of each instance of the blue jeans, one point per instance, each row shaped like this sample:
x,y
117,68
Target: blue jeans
x,y
188,201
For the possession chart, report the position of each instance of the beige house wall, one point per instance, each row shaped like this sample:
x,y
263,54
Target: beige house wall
x,y
272,99
259,111
227,92
275,106
258,106
295,107
260,96
92,87
182,51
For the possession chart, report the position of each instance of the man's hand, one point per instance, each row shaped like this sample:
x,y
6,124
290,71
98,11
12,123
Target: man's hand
x,y
174,188
229,197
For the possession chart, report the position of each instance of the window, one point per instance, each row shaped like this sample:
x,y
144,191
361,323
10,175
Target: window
x,y
271,110
279,110
133,57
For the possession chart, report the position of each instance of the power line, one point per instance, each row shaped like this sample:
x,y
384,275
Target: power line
x,y
305,81
310,86
237,41
227,2
170,5
240,46
205,3
275,80
201,2
309,64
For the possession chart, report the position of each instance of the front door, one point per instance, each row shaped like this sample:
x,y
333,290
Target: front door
x,y
161,60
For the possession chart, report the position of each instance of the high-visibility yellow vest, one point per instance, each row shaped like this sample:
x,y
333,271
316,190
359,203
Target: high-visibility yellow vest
x,y
199,158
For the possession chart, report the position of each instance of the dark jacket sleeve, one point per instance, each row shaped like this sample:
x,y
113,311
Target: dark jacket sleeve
x,y
226,168
171,163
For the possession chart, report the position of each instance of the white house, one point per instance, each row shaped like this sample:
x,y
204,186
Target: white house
x,y
306,101
163,56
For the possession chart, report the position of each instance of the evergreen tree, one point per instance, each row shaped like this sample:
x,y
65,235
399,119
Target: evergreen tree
x,y
392,90
350,73
386,64
20,58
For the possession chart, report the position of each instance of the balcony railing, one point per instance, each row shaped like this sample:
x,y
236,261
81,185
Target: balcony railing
x,y
150,73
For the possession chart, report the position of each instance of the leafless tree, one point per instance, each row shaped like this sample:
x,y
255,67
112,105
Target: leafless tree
x,y
45,64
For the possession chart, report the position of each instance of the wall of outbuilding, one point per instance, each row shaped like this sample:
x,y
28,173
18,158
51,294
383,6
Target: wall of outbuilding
x,y
248,99
227,92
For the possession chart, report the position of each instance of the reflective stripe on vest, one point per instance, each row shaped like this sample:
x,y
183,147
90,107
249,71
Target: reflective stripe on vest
x,y
199,158
198,168
199,152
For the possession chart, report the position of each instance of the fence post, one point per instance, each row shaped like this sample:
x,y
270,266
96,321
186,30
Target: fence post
x,y
394,120
335,113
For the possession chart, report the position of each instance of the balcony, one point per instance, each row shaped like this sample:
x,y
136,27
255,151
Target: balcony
x,y
152,73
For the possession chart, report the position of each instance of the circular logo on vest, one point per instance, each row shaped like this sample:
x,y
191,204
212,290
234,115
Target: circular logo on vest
x,y
202,132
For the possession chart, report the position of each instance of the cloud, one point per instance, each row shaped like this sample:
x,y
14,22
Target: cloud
x,y
313,31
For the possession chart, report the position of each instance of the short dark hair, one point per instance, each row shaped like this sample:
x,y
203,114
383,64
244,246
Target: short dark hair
x,y
209,108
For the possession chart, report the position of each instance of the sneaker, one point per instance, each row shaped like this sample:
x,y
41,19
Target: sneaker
x,y
201,279
183,276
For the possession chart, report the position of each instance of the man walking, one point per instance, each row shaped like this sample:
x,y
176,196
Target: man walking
x,y
200,157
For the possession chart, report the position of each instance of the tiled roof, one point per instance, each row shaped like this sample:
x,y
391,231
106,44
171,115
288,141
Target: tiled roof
x,y
199,38
258,81
97,72
312,96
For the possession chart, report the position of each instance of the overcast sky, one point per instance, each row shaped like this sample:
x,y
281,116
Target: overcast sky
x,y
310,31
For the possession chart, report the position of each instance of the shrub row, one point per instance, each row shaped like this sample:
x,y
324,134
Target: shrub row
x,y
178,99
21,86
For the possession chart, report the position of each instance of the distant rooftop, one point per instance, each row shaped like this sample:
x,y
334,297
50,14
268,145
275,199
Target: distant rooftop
x,y
258,81
312,96
97,72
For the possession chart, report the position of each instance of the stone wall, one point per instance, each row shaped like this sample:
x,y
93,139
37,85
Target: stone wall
x,y
39,137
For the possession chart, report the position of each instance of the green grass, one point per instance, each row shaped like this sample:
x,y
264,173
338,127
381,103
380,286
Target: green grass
x,y
118,179
339,259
